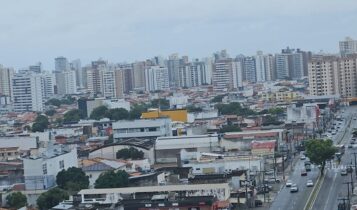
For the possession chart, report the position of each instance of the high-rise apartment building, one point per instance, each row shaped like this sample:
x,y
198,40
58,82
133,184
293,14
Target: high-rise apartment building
x,y
28,92
37,68
61,64
49,80
76,66
94,85
291,63
347,69
323,76
348,46
260,67
250,69
128,75
157,78
270,70
173,65
6,75
222,79
330,75
108,83
119,83
66,82
237,73
139,75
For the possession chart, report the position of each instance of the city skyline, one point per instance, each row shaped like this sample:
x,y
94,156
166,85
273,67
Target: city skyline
x,y
131,31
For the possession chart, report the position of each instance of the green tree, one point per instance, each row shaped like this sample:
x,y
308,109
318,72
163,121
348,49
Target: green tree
x,y
217,99
192,108
319,151
230,128
112,179
54,102
41,123
98,113
234,108
276,111
137,110
271,120
162,103
50,112
16,200
68,100
117,114
73,115
131,153
73,179
51,198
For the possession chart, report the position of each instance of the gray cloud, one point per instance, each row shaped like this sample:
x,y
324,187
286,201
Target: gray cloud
x,y
39,30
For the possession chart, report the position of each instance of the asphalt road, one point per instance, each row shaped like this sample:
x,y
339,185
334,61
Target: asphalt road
x,y
285,200
333,188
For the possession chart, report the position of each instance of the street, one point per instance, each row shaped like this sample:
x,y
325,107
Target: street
x,y
332,187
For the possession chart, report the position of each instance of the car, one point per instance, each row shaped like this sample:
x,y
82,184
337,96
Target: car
x,y
309,183
303,172
307,163
302,157
350,146
258,203
271,180
294,188
269,172
343,172
352,142
264,189
349,169
288,183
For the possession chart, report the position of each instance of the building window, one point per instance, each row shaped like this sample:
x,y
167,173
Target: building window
x,y
61,164
44,168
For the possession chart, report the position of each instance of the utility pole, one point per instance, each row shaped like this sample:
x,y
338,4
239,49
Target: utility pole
x,y
348,192
354,154
352,185
342,206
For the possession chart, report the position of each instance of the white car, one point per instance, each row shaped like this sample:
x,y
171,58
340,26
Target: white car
x,y
288,183
294,188
309,183
302,157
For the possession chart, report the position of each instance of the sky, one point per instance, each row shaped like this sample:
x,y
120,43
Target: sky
x,y
133,30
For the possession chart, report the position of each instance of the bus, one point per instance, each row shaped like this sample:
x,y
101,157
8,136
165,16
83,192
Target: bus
x,y
340,149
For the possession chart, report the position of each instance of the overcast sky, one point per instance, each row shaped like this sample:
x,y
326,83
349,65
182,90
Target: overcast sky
x,y
119,31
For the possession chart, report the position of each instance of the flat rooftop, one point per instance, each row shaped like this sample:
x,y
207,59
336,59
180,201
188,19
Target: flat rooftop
x,y
165,188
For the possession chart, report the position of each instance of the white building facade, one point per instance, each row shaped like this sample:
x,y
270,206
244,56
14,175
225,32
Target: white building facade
x,y
40,171
157,78
28,93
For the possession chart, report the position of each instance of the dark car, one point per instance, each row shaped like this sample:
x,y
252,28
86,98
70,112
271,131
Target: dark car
x,y
258,203
303,172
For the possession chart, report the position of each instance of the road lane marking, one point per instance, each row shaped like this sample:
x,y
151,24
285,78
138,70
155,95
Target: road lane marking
x,y
329,193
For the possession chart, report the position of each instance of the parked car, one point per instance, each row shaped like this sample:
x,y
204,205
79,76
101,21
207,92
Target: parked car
x,y
269,172
258,203
271,180
309,183
294,188
302,157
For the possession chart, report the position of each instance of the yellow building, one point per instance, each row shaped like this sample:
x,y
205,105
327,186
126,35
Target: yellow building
x,y
175,115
